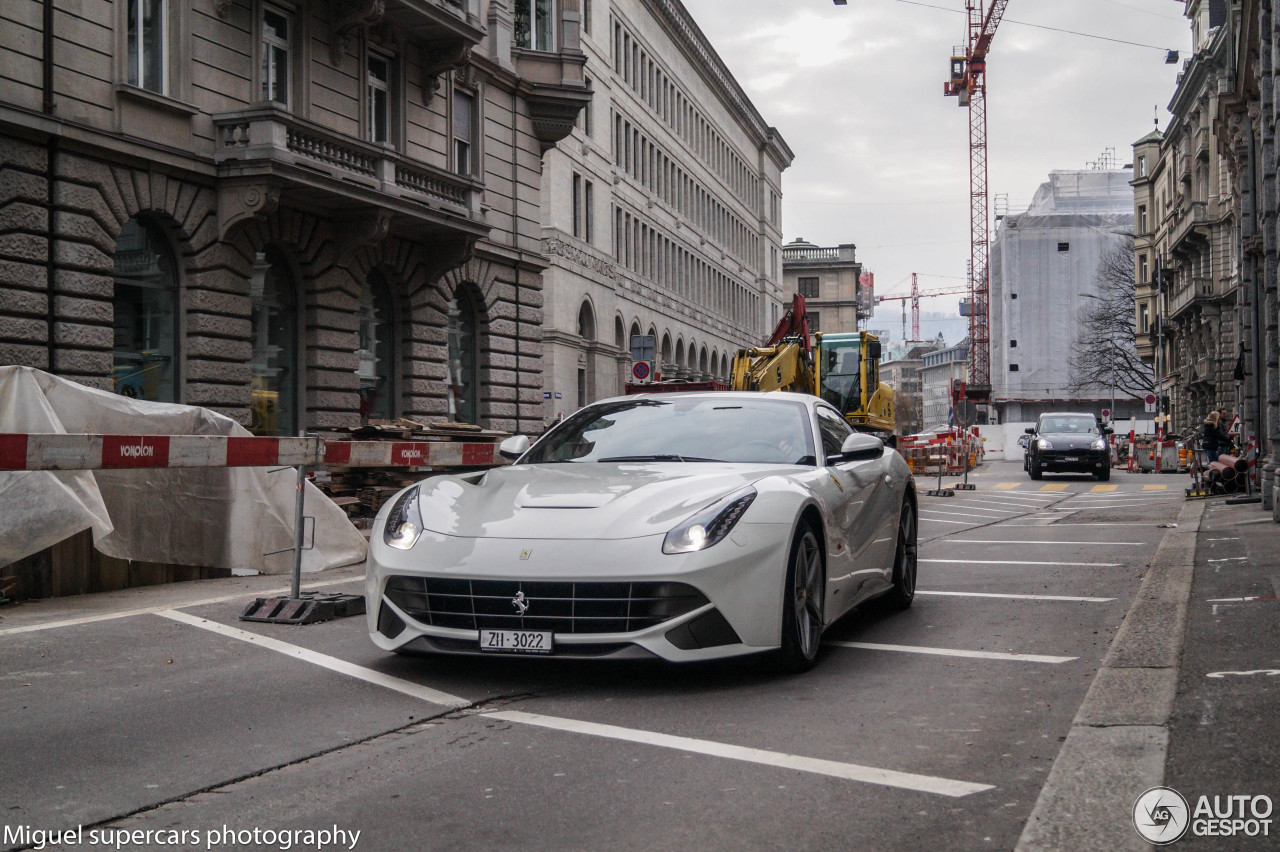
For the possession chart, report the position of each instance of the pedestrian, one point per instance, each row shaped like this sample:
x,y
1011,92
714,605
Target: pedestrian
x,y
1226,441
1210,437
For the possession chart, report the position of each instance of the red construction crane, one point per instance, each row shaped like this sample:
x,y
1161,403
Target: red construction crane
x,y
968,83
915,296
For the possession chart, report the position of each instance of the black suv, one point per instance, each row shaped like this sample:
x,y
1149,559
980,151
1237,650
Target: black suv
x,y
1069,441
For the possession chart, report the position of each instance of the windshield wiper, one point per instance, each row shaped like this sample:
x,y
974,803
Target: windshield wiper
x,y
660,457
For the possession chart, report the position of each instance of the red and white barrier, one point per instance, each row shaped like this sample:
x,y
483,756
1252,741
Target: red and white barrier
x,y
20,451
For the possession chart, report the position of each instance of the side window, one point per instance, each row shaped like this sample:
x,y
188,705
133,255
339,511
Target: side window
x,y
834,431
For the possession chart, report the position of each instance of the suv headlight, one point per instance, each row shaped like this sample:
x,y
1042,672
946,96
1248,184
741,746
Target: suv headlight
x,y
710,525
1099,444
404,521
1044,444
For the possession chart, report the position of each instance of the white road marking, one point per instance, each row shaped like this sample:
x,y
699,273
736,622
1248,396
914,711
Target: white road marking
x,y
1007,505
1101,506
996,517
1254,521
1015,562
151,610
994,541
1016,597
1231,559
414,690
953,652
940,521
967,507
848,771
1079,524
1235,600
1269,672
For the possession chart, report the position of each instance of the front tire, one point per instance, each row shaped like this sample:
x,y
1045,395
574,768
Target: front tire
x,y
1035,470
905,559
1104,475
803,603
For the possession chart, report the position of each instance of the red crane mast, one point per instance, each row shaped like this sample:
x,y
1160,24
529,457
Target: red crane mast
x,y
915,296
968,83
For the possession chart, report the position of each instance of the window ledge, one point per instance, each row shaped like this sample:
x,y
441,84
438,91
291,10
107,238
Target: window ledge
x,y
146,96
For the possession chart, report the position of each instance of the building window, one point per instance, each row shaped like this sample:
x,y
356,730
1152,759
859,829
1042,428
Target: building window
x,y
1142,166
809,287
377,364
586,21
584,119
534,26
1144,318
274,394
582,386
145,315
464,122
1142,218
1013,344
148,52
275,56
588,210
577,205
1144,274
1064,246
463,387
1013,368
378,89
814,325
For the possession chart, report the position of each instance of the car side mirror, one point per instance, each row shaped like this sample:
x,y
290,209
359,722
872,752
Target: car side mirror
x,y
860,447
1107,430
1029,430
514,447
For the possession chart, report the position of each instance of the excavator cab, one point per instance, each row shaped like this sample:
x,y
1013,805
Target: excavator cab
x,y
849,378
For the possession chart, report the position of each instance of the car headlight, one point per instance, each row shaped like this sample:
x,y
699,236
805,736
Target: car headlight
x,y
710,525
1044,444
404,521
1099,444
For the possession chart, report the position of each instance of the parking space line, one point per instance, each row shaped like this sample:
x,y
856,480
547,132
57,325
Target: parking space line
x,y
1011,541
817,766
1005,486
1155,487
965,507
941,521
1054,486
334,664
1015,562
1103,489
151,610
995,516
1072,598
952,652
848,771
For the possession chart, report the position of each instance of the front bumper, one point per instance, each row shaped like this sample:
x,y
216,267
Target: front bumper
x,y
739,581
1084,461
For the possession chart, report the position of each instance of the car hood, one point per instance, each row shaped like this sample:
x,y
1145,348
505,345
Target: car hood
x,y
1070,440
579,501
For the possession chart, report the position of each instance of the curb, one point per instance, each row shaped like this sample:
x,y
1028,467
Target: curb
x,y
1119,739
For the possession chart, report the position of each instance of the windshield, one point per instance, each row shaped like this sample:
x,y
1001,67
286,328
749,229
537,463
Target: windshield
x,y
683,429
1080,423
841,376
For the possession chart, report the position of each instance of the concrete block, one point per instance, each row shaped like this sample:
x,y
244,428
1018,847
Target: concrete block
x,y
82,256
83,362
74,283
17,303
85,310
216,302
23,274
213,325
21,186
24,330
20,154
78,227
218,372
209,394
325,359
83,336
23,247
23,216
218,348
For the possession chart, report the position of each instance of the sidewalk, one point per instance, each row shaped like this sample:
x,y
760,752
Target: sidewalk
x,y
1224,734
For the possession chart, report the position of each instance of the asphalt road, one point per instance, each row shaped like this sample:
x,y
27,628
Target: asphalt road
x,y
157,710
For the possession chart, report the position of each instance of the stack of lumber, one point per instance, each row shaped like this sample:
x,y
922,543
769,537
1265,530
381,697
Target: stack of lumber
x,y
361,491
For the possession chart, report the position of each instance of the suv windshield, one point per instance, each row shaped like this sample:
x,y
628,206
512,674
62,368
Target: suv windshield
x,y
1067,423
682,429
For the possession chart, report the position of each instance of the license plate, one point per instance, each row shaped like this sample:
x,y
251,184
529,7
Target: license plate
x,y
1072,458
516,641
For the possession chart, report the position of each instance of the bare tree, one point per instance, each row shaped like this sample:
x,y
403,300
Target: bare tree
x,y
1104,355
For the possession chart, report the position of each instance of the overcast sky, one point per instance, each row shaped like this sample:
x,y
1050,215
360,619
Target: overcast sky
x,y
882,156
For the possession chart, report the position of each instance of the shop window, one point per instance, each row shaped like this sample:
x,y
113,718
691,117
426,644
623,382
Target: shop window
x,y
147,54
377,370
274,394
535,24
463,387
145,315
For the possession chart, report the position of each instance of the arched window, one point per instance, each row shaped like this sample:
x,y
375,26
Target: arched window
x,y
377,352
586,322
463,387
274,399
145,315
620,335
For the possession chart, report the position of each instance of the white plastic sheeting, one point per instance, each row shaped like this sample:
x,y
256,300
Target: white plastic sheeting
x,y
211,517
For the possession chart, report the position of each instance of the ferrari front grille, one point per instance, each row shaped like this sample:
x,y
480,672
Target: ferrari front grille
x,y
595,607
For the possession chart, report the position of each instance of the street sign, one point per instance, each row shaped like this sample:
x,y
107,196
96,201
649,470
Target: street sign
x,y
641,370
1150,400
1106,414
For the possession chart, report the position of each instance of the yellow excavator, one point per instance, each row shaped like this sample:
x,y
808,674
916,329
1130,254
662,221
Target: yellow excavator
x,y
843,368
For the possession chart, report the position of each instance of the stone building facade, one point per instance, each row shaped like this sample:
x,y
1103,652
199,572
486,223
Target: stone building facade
x,y
831,281
660,211
298,215
1186,259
